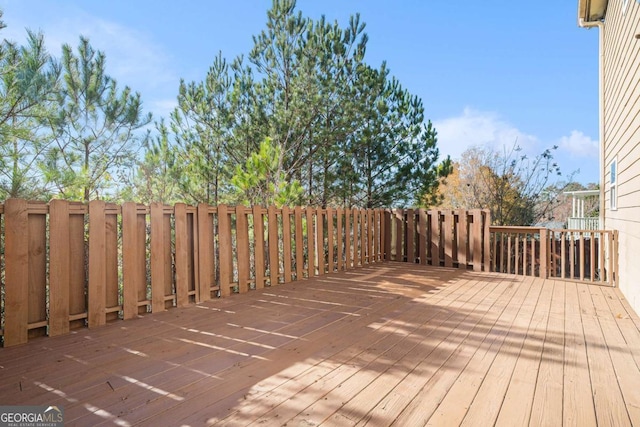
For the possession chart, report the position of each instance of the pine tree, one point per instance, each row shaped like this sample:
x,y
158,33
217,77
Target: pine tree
x,y
156,177
94,129
28,81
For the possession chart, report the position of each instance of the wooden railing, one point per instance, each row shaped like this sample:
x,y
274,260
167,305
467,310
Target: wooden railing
x,y
67,265
584,255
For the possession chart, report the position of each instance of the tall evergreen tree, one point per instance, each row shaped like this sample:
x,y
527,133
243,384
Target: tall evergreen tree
x,y
392,154
28,81
95,128
202,126
348,133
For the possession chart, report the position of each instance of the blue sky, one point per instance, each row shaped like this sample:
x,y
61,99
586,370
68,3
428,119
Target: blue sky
x,y
488,72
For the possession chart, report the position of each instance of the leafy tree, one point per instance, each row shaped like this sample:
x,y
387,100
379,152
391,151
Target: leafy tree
x,y
94,130
262,182
28,80
515,188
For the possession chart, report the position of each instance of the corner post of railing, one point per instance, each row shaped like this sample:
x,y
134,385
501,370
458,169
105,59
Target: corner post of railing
x,y
544,252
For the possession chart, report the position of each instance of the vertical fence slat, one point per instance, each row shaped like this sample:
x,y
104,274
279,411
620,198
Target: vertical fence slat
x,y
225,250
477,243
563,255
16,272
377,225
399,234
610,275
447,232
184,248
286,247
435,237
581,264
422,236
168,254
363,236
98,261
339,239
274,262
144,288
37,283
517,260
258,248
205,252
355,214
370,235
77,270
601,253
194,257
131,254
299,243
59,262
347,239
330,241
615,254
486,236
320,252
508,253
242,247
386,233
410,236
462,239
182,255
592,256
112,262
158,270
311,268
572,254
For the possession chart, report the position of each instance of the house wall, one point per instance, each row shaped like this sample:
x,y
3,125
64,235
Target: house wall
x,y
621,96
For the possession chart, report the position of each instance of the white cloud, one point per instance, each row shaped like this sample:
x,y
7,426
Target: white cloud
x,y
480,128
576,152
579,144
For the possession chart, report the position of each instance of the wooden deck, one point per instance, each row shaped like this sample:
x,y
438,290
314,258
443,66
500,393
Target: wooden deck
x,y
394,344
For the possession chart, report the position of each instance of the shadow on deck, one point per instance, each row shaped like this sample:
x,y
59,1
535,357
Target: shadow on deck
x,y
392,343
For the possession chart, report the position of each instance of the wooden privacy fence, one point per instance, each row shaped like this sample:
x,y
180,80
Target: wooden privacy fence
x,y
584,255
446,238
66,265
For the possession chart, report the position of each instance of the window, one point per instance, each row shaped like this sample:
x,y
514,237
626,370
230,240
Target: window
x,y
613,184
624,7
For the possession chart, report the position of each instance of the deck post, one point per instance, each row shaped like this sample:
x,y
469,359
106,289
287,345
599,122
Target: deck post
x,y
544,257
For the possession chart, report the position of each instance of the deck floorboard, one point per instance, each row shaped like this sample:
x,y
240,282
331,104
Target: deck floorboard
x,y
389,344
